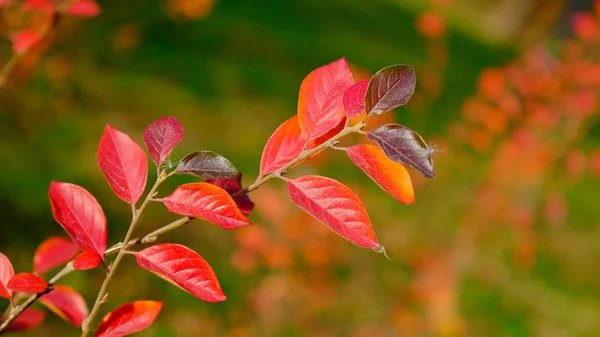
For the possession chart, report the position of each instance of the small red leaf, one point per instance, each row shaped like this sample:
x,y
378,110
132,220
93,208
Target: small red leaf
x,y
129,318
27,283
124,164
336,206
184,268
320,105
6,274
285,144
87,260
78,212
54,251
66,303
24,40
389,88
354,99
27,320
234,185
44,6
161,137
83,8
388,174
208,202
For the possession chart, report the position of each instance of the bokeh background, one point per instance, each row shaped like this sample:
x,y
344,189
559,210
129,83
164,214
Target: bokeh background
x,y
503,242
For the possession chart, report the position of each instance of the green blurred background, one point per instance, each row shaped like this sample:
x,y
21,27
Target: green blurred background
x,y
504,242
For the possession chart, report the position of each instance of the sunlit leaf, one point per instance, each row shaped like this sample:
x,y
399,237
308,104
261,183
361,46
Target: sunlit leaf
x,y
184,268
53,252
124,164
6,274
78,212
389,88
234,185
86,260
161,137
354,99
405,146
27,283
285,144
83,8
388,174
66,303
24,40
320,105
336,206
207,164
208,202
27,320
129,318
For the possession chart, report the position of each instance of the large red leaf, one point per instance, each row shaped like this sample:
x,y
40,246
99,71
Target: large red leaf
x,y
208,202
27,283
184,268
320,106
54,251
6,274
27,320
285,144
86,260
390,175
66,303
124,164
354,99
335,205
129,318
78,212
161,137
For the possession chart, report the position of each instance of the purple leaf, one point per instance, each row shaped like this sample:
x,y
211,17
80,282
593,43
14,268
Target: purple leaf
x,y
405,146
161,137
234,185
207,164
389,88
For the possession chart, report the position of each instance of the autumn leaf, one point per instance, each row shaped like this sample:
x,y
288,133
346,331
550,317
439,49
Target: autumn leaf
x,y
27,320
320,106
54,251
207,164
234,185
129,318
354,99
27,283
86,260
184,268
336,206
78,212
404,146
389,88
24,40
66,303
6,274
124,164
388,174
83,8
161,137
208,202
284,145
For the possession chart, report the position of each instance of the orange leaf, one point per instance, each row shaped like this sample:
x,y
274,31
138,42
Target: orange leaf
x,y
285,144
129,318
27,283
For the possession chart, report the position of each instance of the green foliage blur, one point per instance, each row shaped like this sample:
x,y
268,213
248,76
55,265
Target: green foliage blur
x,y
473,257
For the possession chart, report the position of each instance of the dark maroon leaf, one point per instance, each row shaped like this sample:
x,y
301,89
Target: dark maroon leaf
x,y
405,146
234,185
389,88
207,164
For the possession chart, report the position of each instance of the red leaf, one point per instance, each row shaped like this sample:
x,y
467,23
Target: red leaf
x,y
87,260
6,274
285,144
320,101
208,202
320,140
388,174
129,318
66,303
27,320
5,3
78,212
354,99
44,6
161,137
27,283
83,8
234,185
54,251
335,205
24,40
184,268
124,164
